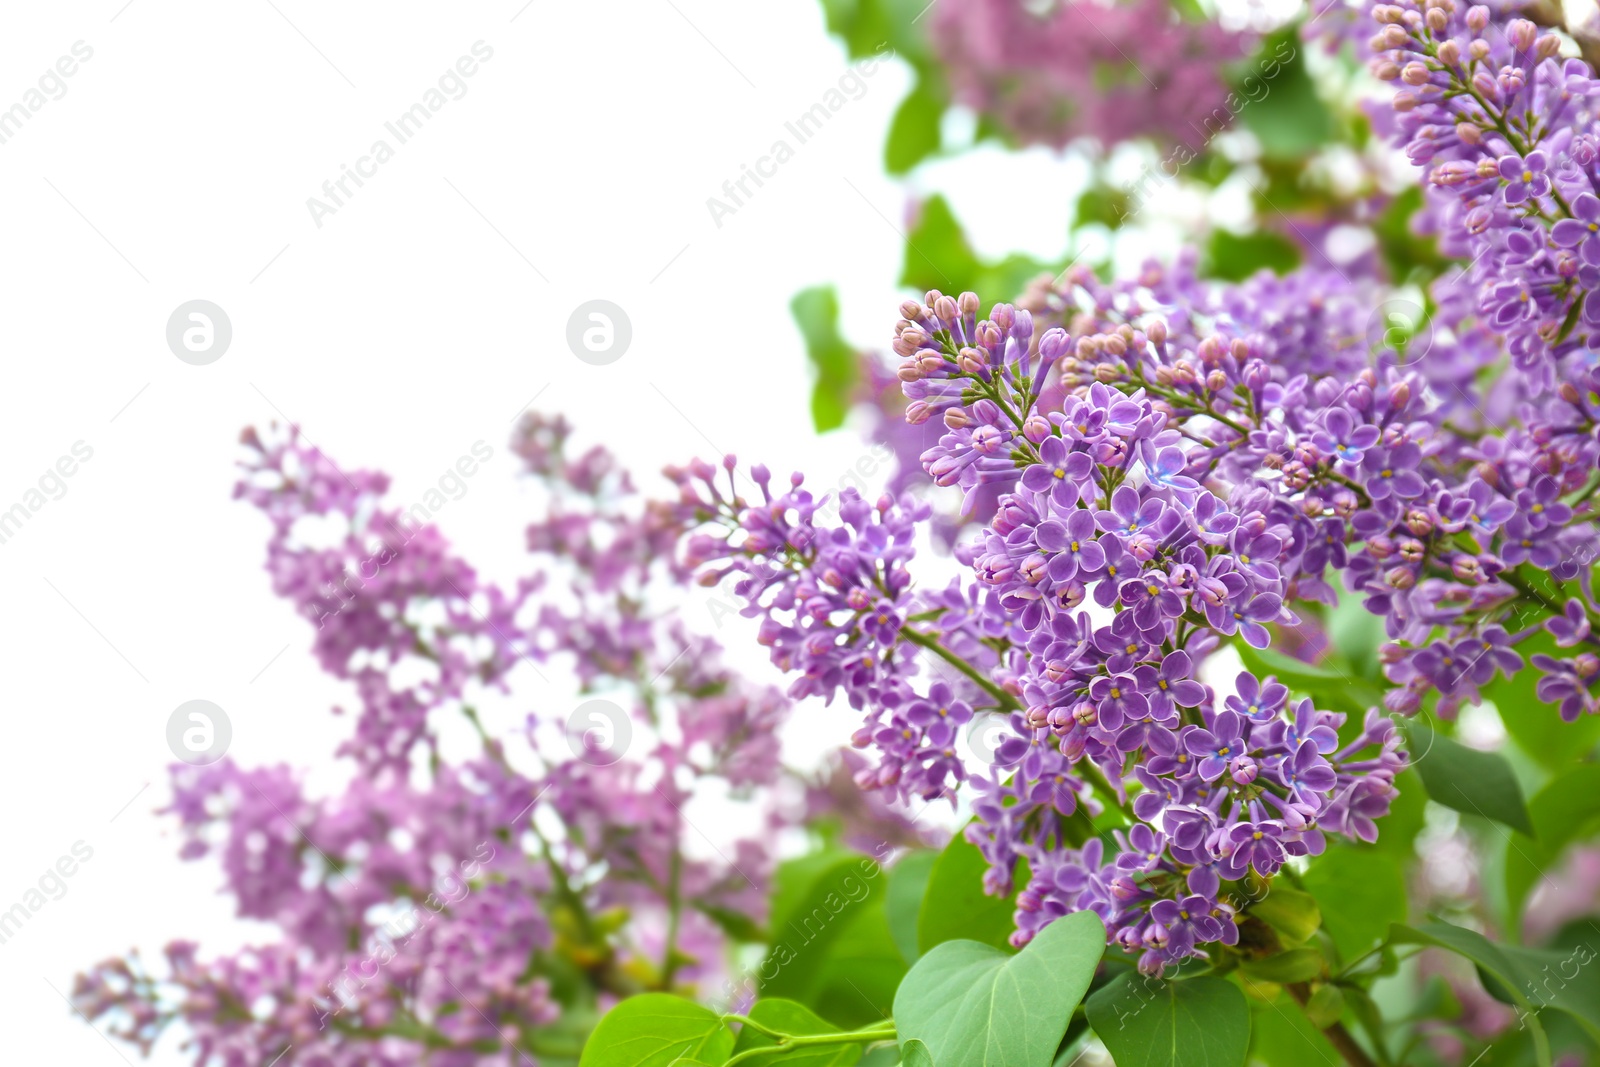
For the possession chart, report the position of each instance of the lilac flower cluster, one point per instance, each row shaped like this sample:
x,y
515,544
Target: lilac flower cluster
x,y
1085,69
454,911
1117,561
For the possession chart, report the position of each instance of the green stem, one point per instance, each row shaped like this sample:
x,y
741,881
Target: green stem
x,y
931,643
790,1042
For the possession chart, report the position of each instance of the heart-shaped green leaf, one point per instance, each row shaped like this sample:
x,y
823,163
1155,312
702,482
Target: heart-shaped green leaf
x,y
976,1006
654,1030
1192,1022
954,904
915,1054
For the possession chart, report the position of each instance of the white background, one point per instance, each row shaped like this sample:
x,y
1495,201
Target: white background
x,y
417,320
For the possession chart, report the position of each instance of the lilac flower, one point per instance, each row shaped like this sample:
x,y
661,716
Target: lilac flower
x,y
1165,469
1524,177
1217,745
1129,515
1258,701
1583,230
1571,627
1389,472
1342,438
1255,845
1187,922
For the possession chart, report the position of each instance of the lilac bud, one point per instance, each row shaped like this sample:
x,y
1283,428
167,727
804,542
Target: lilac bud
x,y
1157,331
1521,34
1414,74
956,418
1587,664
946,309
1466,569
968,303
1478,49
1036,428
1243,770
1485,85
1547,47
1477,18
1038,717
1450,53
1400,577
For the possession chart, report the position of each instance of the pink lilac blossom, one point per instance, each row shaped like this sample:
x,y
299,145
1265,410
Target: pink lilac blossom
x,y
475,911
1087,69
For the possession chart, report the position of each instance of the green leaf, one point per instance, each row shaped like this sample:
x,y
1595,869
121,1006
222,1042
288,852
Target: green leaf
x,y
819,899
1534,981
1332,684
1290,912
1236,256
1565,809
1102,204
787,1017
1280,1034
908,884
860,971
653,1030
1470,781
914,133
1325,1006
1359,891
1295,965
1408,254
1289,119
938,255
955,905
1148,1022
915,1054
1535,725
976,1006
816,312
